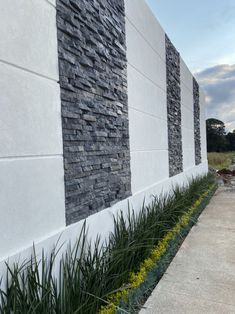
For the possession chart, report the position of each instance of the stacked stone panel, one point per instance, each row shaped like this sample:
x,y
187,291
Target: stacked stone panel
x,y
173,109
197,135
93,81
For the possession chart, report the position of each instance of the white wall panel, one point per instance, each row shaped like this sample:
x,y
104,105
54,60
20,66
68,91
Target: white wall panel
x,y
188,158
187,118
186,97
32,204
30,114
147,132
148,168
188,148
145,96
53,2
31,199
186,76
188,139
203,125
144,58
28,35
141,16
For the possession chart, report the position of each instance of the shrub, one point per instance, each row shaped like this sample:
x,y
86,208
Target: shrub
x,y
220,160
89,275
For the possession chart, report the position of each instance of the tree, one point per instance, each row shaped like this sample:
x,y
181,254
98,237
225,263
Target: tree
x,y
216,126
216,136
231,140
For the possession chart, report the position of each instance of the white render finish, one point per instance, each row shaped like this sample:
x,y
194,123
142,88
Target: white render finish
x,y
146,97
144,130
148,108
31,162
32,202
23,21
53,2
95,223
203,125
148,168
185,75
187,116
30,114
143,58
143,95
146,24
31,198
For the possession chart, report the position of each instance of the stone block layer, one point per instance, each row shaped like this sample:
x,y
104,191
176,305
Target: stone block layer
x,y
93,81
173,109
197,135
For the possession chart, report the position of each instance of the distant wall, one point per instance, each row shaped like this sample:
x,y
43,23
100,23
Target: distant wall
x,y
95,99
164,130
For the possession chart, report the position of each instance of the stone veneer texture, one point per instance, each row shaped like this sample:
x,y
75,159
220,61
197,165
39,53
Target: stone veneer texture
x,y
173,109
197,135
93,82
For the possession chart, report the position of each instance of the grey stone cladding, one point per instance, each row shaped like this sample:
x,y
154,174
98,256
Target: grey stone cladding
x,y
197,135
93,82
173,109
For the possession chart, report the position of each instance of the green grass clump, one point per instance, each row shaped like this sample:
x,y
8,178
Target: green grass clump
x,y
87,274
220,160
137,296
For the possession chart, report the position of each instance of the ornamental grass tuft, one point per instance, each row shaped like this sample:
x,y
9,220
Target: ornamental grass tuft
x,y
93,279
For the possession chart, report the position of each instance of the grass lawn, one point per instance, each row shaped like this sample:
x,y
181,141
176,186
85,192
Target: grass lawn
x,y
220,160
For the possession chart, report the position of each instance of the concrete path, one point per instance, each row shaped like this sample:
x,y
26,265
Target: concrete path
x,y
201,277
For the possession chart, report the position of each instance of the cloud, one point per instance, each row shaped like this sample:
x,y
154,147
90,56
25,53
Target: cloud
x,y
218,83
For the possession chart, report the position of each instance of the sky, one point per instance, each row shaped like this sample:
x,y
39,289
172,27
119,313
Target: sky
x,y
203,31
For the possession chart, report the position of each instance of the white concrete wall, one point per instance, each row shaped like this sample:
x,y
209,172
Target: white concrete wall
x,y
147,101
95,223
31,162
187,116
146,96
203,125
